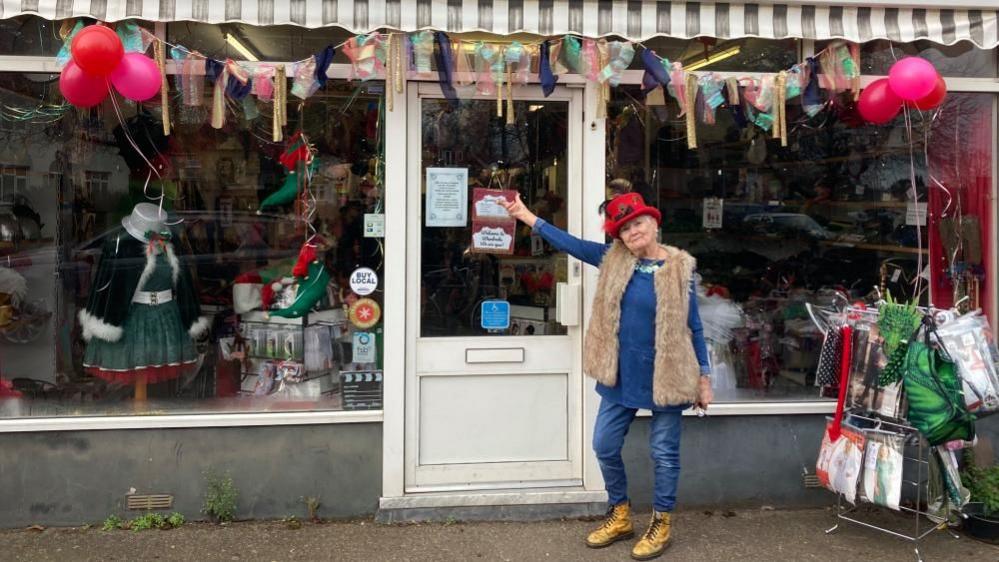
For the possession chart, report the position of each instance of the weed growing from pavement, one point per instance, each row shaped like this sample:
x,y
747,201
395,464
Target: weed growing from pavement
x,y
144,522
149,521
112,522
312,504
220,497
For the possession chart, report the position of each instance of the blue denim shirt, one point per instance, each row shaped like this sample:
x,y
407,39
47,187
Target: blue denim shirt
x,y
636,334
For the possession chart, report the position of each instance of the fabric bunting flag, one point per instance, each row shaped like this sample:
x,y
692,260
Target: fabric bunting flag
x,y
445,64
656,71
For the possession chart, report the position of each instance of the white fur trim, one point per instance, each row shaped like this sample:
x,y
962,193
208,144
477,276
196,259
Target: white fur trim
x,y
147,270
199,327
174,263
94,327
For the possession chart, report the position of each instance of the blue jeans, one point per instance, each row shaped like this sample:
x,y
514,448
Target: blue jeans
x,y
613,421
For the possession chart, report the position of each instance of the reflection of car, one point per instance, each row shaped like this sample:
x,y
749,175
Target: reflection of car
x,y
786,223
218,251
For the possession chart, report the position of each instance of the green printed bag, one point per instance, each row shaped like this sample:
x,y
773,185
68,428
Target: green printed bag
x,y
933,389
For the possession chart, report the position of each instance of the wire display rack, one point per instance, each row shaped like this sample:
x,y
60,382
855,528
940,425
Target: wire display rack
x,y
923,523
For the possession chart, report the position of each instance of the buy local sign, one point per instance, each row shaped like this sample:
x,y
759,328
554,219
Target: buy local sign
x,y
363,281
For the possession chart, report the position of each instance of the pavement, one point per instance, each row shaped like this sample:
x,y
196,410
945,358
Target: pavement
x,y
702,536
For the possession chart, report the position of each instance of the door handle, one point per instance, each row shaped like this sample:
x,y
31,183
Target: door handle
x,y
567,299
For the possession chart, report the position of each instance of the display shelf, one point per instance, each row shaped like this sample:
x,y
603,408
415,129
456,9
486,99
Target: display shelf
x,y
875,247
892,204
333,316
23,246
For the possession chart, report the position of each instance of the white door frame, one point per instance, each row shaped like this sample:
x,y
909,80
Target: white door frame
x,y
489,475
397,153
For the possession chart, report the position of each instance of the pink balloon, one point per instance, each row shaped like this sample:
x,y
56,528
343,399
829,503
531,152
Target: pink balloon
x,y
912,78
137,77
878,103
82,89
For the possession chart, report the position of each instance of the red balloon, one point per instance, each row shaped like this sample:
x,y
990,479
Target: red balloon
x,y
97,50
933,99
878,103
82,89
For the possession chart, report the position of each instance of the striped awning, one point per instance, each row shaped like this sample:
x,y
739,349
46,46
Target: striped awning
x,y
632,19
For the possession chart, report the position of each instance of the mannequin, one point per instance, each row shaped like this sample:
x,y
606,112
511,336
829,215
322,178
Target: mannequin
x,y
142,316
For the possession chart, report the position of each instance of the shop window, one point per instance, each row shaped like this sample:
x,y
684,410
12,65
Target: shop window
x,y
29,35
259,310
244,42
725,55
828,214
960,60
13,180
34,36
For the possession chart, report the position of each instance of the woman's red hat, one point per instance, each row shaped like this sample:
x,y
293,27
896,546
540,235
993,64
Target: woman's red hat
x,y
625,207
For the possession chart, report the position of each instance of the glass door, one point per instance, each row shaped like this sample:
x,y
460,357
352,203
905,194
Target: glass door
x,y
494,392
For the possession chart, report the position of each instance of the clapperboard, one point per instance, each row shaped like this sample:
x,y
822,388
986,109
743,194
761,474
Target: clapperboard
x,y
362,390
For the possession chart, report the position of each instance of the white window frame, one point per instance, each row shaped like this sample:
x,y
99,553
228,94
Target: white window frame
x,y
955,85
393,315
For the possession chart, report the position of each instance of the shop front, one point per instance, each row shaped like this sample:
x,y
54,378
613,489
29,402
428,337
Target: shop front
x,y
312,199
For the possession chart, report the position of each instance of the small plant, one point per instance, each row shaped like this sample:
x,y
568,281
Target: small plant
x,y
176,520
220,498
312,504
983,483
149,521
113,522
292,522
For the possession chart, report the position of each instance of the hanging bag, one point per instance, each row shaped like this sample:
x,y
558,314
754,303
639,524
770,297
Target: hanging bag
x,y
830,358
933,390
966,339
842,452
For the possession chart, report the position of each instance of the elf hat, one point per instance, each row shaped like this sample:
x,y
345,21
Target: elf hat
x,y
624,208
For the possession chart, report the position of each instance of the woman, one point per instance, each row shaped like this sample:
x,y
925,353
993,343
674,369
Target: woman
x,y
644,346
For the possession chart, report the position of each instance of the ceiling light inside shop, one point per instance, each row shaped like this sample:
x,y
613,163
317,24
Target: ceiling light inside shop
x,y
535,107
713,58
241,48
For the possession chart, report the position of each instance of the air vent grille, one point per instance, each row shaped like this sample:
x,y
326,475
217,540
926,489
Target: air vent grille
x,y
149,501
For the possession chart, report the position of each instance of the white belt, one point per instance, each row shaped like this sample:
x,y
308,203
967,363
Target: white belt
x,y
153,297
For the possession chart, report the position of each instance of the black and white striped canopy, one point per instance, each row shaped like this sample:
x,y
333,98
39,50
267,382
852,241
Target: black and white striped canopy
x,y
633,19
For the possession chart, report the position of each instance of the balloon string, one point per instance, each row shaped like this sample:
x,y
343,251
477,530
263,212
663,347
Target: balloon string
x,y
131,141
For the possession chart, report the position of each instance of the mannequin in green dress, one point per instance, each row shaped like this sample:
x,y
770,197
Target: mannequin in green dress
x,y
143,316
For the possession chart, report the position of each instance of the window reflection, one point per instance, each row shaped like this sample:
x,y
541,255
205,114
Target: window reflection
x,y
69,177
829,212
527,155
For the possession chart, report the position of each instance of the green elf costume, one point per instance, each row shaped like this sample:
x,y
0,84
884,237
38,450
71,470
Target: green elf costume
x,y
143,314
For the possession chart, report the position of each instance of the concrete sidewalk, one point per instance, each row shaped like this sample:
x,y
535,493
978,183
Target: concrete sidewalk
x,y
703,536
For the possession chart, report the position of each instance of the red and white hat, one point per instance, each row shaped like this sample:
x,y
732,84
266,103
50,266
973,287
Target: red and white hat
x,y
624,208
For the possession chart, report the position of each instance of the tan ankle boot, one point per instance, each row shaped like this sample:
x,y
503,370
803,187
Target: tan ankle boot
x,y
655,540
616,527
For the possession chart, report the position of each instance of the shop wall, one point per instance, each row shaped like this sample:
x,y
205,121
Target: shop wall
x,y
744,461
78,477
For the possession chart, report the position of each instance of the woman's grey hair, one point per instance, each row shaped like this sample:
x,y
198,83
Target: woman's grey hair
x,y
619,185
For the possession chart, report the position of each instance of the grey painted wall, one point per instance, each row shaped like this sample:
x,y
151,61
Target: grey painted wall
x,y
71,478
734,461
745,460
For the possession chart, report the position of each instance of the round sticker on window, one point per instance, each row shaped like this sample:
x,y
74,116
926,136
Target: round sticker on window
x,y
365,313
363,281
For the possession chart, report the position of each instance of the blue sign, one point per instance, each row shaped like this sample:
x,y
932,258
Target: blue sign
x,y
495,315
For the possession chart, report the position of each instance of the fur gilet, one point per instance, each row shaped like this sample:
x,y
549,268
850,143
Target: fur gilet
x,y
676,372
